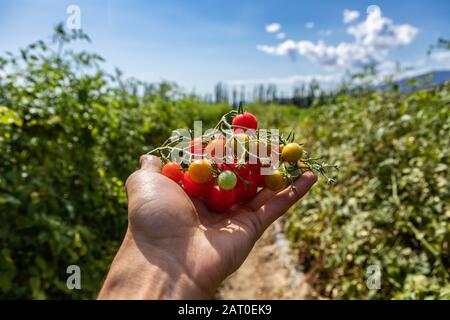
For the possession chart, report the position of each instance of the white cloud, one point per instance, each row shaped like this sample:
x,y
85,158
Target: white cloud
x,y
373,38
349,16
281,50
326,33
273,27
309,25
441,56
281,35
290,80
345,54
380,32
342,55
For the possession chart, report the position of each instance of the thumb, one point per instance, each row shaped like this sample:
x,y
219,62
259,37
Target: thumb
x,y
150,163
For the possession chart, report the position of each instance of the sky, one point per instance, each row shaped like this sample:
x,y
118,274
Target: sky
x,y
199,43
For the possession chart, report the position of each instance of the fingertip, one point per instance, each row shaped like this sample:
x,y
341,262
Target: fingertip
x,y
308,177
150,163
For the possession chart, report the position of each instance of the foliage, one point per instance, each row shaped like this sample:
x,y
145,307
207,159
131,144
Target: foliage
x,y
69,135
391,204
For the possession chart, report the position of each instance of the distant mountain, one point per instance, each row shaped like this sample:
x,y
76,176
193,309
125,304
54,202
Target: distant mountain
x,y
422,81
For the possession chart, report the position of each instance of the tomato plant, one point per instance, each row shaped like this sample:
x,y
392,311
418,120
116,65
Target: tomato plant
x,y
241,169
70,134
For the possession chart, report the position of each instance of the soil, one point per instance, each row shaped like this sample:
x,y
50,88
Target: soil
x,y
268,273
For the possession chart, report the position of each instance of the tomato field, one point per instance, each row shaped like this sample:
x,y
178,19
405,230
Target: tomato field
x,y
71,133
390,205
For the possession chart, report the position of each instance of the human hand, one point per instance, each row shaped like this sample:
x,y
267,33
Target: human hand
x,y
175,248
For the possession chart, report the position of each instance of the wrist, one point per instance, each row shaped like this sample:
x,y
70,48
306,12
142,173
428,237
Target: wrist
x,y
141,272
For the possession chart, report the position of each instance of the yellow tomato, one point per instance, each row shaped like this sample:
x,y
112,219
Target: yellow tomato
x,y
200,171
292,152
275,181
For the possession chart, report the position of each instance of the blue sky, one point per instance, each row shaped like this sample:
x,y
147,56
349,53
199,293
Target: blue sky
x,y
198,43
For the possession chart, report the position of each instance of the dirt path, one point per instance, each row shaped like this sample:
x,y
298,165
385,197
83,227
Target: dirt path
x,y
268,273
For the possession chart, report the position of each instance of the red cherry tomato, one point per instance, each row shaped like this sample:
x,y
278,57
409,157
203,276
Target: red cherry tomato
x,y
173,171
198,146
195,189
256,175
244,192
243,170
219,200
215,149
246,120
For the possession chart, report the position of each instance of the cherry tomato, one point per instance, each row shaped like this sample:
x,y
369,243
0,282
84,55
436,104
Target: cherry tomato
x,y
275,181
258,178
219,200
302,166
241,169
245,192
246,120
173,171
215,149
227,180
198,146
195,189
268,149
292,152
200,171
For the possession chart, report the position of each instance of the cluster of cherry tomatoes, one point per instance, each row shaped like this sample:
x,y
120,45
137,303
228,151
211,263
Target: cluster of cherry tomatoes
x,y
224,184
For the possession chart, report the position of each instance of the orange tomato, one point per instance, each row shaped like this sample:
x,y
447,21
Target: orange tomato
x,y
200,171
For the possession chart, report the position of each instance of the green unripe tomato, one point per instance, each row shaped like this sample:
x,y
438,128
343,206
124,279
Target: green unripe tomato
x,y
227,180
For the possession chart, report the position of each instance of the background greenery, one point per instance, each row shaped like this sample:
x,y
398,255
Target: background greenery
x,y
70,133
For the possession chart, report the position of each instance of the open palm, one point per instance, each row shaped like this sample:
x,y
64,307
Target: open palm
x,y
209,246
178,232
